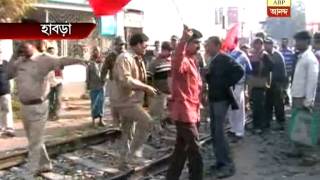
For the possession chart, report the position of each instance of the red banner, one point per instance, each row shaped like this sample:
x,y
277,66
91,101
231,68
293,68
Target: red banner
x,y
107,7
24,31
231,40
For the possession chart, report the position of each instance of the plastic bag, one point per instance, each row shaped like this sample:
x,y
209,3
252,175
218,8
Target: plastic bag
x,y
304,127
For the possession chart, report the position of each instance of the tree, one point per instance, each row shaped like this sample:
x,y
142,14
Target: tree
x,y
13,10
278,28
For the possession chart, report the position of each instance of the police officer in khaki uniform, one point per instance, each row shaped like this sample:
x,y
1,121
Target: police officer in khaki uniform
x,y
31,74
129,75
119,47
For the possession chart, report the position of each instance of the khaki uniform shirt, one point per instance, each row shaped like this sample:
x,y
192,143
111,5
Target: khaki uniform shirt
x,y
128,71
108,64
32,75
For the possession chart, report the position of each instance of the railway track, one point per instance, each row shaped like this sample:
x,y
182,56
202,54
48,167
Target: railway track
x,y
96,156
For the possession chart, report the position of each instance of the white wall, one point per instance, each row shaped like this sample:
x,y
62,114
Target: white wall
x,y
6,47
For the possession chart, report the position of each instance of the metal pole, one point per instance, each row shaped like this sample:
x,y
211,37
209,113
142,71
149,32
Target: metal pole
x,y
47,15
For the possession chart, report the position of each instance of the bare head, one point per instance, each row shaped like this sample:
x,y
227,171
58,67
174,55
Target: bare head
x,y
30,47
138,43
166,49
119,44
213,45
302,40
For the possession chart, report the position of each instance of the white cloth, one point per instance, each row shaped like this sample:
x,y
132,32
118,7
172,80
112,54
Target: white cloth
x,y
305,78
6,116
237,117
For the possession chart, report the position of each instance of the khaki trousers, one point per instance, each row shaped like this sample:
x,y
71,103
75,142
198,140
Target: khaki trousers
x,y
34,120
136,124
6,115
158,106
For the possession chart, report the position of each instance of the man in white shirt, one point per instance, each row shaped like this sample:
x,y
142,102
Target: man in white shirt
x,y
306,71
304,87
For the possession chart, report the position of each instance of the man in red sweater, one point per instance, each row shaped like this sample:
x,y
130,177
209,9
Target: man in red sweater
x,y
185,107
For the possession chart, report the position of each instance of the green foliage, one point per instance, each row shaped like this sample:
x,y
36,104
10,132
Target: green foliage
x,y
13,10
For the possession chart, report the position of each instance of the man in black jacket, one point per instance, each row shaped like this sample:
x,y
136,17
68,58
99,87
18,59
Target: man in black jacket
x,y
223,73
275,94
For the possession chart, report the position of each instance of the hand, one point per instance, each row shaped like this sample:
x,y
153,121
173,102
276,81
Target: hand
x,y
187,33
151,91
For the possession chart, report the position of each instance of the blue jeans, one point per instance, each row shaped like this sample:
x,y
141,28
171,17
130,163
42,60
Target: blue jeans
x,y
218,113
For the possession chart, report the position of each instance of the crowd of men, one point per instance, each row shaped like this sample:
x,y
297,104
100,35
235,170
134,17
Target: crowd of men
x,y
175,81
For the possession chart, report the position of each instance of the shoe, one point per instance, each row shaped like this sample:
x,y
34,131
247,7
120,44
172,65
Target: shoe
x,y
279,127
294,154
309,160
102,123
138,153
45,169
231,134
9,132
225,171
257,131
235,139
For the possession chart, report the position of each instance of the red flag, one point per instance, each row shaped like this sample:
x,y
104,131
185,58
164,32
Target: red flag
x,y
107,7
231,40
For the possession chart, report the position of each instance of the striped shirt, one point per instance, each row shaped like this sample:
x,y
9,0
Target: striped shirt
x,y
289,60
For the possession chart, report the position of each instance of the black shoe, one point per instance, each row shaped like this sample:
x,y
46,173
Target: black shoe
x,y
257,131
231,134
225,171
235,139
279,127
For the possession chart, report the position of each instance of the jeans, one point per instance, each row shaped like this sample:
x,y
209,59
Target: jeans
x,y
218,114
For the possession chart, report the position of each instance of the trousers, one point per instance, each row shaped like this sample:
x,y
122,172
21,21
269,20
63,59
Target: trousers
x,y
186,148
275,101
6,115
237,117
34,120
158,106
258,96
218,113
136,125
55,100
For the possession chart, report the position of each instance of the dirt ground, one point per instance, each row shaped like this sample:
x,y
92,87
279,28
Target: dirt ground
x,y
265,158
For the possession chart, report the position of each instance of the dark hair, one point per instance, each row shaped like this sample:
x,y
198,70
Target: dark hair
x,y
166,46
261,35
303,35
138,39
316,37
258,40
216,40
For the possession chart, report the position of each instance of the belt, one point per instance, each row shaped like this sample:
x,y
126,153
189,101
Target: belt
x,y
33,102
